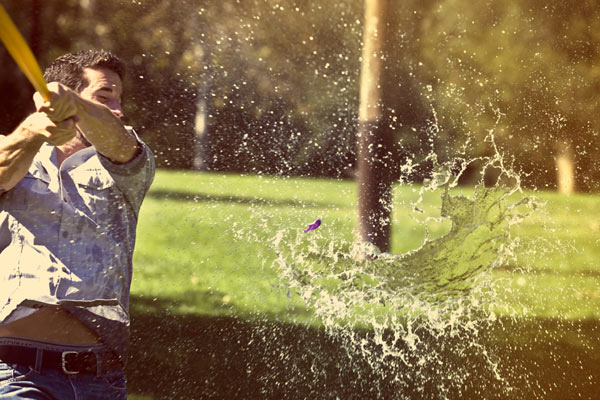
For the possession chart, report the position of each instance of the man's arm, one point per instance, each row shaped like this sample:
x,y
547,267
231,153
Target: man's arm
x,y
96,121
18,149
106,132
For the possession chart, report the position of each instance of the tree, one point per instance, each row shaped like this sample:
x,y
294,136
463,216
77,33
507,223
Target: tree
x,y
374,137
279,80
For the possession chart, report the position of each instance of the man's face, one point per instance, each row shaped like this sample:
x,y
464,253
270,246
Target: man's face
x,y
104,87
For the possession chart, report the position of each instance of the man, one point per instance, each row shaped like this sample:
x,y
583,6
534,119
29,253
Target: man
x,y
72,179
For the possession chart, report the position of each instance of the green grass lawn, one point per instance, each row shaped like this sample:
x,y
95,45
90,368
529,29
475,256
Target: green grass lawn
x,y
206,293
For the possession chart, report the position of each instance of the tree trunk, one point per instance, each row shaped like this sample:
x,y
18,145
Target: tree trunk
x,y
565,167
200,131
201,122
374,139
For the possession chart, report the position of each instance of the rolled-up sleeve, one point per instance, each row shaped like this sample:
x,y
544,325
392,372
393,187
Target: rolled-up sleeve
x,y
134,177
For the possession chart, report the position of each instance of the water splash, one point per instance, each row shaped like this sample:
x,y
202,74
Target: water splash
x,y
408,314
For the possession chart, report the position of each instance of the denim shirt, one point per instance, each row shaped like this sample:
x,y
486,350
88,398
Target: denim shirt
x,y
67,236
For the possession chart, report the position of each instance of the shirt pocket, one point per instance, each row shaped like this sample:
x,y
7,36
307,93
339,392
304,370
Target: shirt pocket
x,y
31,192
95,190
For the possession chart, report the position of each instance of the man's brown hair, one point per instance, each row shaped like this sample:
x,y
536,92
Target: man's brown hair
x,y
68,69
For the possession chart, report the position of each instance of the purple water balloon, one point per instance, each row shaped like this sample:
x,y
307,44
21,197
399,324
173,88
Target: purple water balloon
x,y
313,226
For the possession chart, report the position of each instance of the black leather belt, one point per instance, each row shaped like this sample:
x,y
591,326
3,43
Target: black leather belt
x,y
69,362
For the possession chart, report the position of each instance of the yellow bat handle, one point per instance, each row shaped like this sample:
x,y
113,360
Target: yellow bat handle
x,y
19,50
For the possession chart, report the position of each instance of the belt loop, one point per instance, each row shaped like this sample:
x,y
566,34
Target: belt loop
x,y
98,364
38,359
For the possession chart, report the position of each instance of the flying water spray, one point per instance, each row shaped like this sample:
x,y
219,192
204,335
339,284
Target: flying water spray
x,y
406,314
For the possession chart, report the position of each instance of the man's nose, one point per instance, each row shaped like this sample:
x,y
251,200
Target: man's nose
x,y
116,109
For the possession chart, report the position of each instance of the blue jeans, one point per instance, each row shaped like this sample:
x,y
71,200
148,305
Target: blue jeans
x,y
18,382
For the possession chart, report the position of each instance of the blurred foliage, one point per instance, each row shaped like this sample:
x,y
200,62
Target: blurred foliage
x,y
525,70
279,79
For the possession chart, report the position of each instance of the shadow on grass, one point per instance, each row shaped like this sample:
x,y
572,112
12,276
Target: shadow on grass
x,y
199,357
198,197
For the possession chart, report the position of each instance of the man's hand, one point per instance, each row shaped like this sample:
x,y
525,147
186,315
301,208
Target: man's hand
x,y
39,126
18,149
63,103
97,112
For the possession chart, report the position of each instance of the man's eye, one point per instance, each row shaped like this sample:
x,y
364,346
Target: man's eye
x,y
101,98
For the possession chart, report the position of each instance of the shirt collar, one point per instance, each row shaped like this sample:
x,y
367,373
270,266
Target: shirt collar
x,y
49,158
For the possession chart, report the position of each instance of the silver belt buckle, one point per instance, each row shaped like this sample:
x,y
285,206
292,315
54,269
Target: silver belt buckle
x,y
63,362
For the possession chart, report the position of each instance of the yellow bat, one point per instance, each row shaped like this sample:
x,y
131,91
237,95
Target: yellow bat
x,y
19,50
